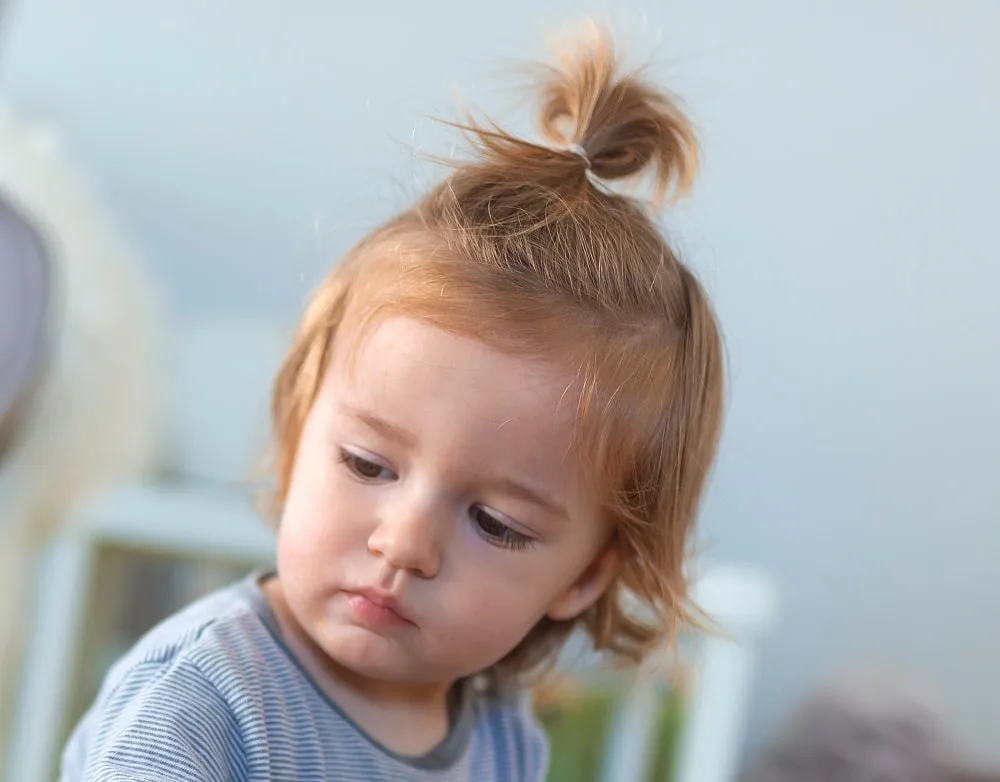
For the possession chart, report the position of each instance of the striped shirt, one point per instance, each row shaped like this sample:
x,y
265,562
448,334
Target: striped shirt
x,y
213,693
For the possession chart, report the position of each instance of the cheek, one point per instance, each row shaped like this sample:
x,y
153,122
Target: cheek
x,y
502,591
489,607
505,593
317,519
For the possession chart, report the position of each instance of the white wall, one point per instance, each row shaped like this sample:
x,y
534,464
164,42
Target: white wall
x,y
843,223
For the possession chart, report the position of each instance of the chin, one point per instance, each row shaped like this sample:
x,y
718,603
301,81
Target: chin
x,y
368,654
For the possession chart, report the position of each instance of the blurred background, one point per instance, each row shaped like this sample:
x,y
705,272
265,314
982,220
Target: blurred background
x,y
842,223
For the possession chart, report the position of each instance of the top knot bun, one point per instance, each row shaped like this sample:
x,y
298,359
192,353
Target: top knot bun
x,y
621,124
599,122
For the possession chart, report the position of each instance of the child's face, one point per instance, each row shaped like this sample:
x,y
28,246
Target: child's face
x,y
435,513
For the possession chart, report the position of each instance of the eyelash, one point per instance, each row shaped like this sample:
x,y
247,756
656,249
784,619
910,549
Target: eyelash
x,y
492,529
356,464
496,533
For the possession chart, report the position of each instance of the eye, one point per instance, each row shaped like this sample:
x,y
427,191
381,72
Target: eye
x,y
364,467
496,532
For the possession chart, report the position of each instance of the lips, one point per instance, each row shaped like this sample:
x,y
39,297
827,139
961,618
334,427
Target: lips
x,y
376,609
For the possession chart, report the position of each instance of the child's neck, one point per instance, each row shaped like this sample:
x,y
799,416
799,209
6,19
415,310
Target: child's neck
x,y
409,719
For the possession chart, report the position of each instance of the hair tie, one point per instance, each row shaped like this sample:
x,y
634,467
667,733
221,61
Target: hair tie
x,y
580,152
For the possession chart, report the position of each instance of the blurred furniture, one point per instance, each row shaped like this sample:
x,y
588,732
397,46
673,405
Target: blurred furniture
x,y
79,331
186,523
196,518
679,718
204,519
744,603
78,328
25,279
25,340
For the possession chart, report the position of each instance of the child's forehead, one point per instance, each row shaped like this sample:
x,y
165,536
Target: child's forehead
x,y
396,340
403,359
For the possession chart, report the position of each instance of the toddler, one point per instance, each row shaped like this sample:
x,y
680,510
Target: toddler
x,y
492,427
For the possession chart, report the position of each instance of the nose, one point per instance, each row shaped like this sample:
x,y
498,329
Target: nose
x,y
408,536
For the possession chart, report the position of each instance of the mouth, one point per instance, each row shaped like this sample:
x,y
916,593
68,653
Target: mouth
x,y
376,609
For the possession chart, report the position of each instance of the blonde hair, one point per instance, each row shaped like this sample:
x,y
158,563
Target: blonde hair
x,y
528,249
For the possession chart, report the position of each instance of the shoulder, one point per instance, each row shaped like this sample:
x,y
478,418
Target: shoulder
x,y
161,720
173,698
510,725
221,634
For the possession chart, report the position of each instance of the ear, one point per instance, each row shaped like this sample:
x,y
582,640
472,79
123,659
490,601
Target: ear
x,y
588,588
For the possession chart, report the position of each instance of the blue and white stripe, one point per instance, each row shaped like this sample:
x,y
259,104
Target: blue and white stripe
x,y
213,694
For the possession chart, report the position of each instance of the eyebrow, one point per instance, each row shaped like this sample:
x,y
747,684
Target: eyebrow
x,y
382,427
522,491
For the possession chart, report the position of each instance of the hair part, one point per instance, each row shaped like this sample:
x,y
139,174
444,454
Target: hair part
x,y
529,249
